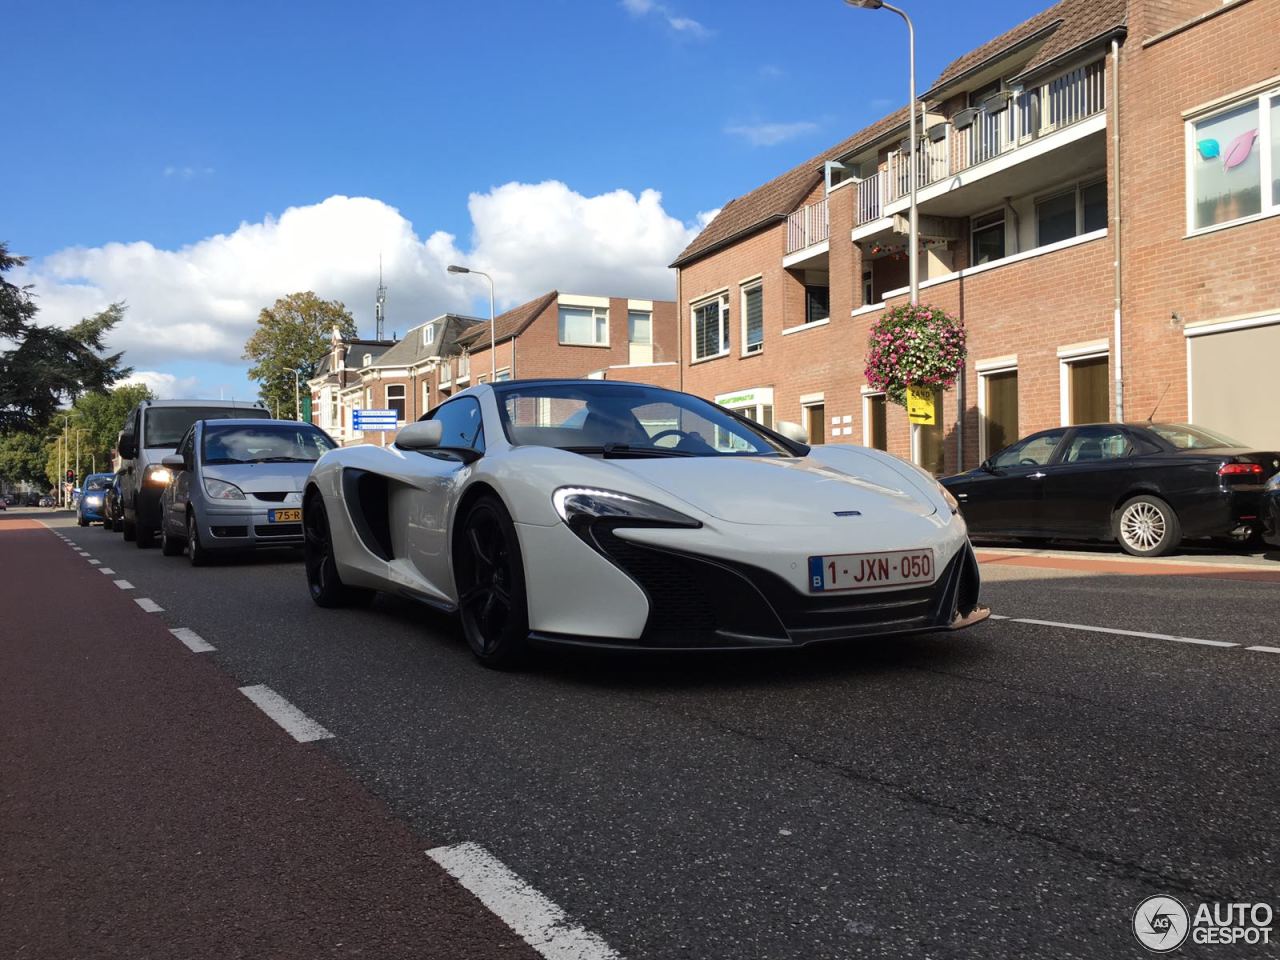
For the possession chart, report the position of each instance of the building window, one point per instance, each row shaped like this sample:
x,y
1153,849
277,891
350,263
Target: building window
x,y
817,303
999,411
710,328
753,318
368,359
1231,155
395,399
368,398
503,374
987,238
464,366
1087,393
816,415
868,288
428,334
426,395
875,428
1082,209
584,326
333,410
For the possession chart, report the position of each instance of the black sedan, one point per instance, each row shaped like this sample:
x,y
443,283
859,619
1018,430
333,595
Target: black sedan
x,y
1147,485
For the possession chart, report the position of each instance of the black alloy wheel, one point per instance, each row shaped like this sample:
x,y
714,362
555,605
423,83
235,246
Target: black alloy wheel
x,y
323,581
491,591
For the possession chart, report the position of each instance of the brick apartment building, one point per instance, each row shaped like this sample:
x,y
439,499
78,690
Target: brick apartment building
x,y
1098,192
554,335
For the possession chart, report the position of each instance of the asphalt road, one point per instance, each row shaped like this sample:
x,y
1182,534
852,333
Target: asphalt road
x,y
1015,790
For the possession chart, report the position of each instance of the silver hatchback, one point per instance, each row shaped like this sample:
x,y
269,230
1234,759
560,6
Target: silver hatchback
x,y
237,485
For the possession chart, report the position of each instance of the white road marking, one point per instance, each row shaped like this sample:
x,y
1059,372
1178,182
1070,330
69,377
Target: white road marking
x,y
83,553
996,616
1123,633
107,570
1261,649
538,921
296,723
94,563
195,643
148,605
123,584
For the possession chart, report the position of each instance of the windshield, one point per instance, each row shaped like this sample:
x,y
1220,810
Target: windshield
x,y
100,482
268,443
625,420
164,426
1186,437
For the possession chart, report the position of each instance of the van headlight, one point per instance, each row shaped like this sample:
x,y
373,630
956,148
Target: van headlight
x,y
159,476
221,490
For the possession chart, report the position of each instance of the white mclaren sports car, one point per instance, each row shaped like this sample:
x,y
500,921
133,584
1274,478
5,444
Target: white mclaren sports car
x,y
590,512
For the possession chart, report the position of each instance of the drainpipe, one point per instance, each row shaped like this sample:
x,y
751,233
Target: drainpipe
x,y
1115,165
679,330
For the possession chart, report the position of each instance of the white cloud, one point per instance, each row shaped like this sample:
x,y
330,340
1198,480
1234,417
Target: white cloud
x,y
686,26
164,385
769,134
201,302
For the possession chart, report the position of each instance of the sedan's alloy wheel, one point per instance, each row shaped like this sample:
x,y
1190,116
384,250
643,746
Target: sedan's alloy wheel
x,y
1148,527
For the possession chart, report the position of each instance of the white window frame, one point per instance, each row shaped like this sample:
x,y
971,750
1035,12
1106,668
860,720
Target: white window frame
x,y
426,395
597,314
368,359
428,334
630,327
1004,227
744,289
867,396
987,368
404,396
722,303
1068,356
1262,101
807,405
464,367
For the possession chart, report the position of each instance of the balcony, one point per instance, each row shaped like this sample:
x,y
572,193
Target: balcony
x,y
871,198
1001,126
807,226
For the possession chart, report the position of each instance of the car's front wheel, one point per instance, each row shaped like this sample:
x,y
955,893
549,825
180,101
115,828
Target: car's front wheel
x,y
144,536
489,575
196,551
1146,526
170,545
326,586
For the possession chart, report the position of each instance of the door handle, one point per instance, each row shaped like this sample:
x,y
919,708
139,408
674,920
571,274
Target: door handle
x,y
1035,476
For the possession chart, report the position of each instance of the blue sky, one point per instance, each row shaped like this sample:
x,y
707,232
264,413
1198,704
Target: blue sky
x,y
164,125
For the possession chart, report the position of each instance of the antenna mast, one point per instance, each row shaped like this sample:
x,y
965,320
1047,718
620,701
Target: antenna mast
x,y
380,303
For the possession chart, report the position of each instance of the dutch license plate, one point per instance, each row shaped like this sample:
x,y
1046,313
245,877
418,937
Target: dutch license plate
x,y
284,516
863,571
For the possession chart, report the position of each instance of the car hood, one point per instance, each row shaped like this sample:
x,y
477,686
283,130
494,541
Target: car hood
x,y
261,477
780,491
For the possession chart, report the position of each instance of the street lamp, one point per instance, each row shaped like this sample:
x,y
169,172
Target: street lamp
x,y
493,355
914,237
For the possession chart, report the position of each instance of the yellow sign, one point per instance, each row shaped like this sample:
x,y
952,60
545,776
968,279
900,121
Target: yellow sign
x,y
921,408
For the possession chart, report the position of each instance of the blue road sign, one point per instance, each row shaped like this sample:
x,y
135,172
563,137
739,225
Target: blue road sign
x,y
374,420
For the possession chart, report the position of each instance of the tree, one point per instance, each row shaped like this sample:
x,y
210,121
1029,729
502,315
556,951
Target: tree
x,y
293,334
22,459
99,418
48,366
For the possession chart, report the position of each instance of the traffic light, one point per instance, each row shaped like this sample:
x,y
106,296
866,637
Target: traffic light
x,y
71,476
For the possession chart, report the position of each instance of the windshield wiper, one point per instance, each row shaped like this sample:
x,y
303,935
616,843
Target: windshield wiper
x,y
215,460
627,450
283,460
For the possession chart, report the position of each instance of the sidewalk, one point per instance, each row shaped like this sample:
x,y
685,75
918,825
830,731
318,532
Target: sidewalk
x,y
149,810
1085,561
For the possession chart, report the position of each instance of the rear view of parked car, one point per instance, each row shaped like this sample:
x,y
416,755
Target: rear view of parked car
x,y
237,485
152,431
1148,486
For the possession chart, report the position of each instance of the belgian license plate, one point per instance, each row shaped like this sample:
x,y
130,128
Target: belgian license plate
x,y
284,516
864,571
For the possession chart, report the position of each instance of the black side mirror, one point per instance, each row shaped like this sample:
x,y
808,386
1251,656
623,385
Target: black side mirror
x,y
126,447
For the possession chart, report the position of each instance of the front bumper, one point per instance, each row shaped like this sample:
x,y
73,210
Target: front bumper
x,y
247,528
93,511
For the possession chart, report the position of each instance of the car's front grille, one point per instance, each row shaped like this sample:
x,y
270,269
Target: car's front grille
x,y
282,530
271,496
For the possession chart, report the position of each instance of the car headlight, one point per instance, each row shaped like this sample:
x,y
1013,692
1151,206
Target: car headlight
x,y
581,507
950,499
221,490
159,476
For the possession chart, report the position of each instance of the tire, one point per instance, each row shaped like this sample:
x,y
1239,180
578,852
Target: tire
x,y
196,552
1146,526
117,525
323,582
82,521
129,529
171,546
489,575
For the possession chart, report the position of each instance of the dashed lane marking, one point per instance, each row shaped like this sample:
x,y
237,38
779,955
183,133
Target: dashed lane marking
x,y
1263,649
195,643
123,584
538,921
107,570
94,563
148,605
295,723
1122,633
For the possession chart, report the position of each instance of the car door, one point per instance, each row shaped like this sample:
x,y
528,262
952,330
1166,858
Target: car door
x,y
421,515
178,492
1085,480
1004,495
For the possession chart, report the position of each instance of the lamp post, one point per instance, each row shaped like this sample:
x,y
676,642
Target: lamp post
x,y
913,239
493,354
66,457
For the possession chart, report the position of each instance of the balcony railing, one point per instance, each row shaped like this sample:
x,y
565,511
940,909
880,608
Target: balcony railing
x,y
807,226
870,198
1004,126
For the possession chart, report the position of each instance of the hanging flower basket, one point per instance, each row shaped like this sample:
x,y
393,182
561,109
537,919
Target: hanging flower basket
x,y
915,346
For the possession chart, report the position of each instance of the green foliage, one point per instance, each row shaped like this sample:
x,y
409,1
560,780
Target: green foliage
x,y
22,459
293,334
48,366
914,346
96,421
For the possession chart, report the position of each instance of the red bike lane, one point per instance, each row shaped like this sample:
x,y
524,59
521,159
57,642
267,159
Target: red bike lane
x,y
148,809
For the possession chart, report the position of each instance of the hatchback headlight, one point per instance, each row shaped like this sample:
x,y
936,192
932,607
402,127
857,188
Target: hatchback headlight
x,y
221,490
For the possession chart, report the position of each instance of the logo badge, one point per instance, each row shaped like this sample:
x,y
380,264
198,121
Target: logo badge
x,y
1161,923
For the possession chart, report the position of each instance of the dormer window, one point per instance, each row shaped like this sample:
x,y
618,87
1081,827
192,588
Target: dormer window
x,y
368,359
428,334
